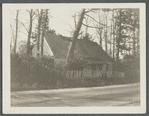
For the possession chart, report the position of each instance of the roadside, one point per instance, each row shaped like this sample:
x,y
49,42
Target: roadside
x,y
120,95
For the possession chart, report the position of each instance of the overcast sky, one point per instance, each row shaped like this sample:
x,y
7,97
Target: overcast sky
x,y
61,20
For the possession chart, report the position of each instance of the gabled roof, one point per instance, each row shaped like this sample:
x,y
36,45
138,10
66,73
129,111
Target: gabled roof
x,y
84,48
58,46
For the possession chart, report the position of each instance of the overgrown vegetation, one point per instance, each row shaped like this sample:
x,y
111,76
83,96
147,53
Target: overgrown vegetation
x,y
30,73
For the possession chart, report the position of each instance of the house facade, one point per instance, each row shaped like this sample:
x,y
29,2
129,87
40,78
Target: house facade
x,y
99,64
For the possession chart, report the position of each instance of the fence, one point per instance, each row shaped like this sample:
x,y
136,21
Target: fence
x,y
87,73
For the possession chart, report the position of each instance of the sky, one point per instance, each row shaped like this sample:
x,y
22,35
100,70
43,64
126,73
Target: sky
x,y
61,20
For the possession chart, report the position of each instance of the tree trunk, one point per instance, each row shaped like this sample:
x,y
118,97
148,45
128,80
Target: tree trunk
x,y
43,33
86,30
111,41
114,27
99,31
29,33
12,39
119,37
39,26
75,36
100,34
113,46
16,36
100,38
106,33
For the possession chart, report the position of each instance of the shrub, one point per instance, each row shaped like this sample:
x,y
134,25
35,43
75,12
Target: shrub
x,y
30,71
76,64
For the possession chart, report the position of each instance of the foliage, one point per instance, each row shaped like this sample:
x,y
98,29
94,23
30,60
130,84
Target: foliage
x,y
128,20
51,31
132,66
75,64
87,37
29,73
29,70
22,47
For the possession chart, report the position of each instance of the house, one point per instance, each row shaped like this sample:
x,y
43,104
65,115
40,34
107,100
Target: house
x,y
99,63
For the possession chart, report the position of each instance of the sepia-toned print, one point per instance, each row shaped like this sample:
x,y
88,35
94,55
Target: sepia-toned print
x,y
75,57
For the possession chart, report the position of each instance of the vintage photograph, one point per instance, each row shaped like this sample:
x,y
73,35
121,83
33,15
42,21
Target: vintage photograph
x,y
74,56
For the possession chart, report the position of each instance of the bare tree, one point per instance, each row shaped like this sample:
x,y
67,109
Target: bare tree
x,y
111,39
119,34
113,32
74,17
43,30
106,31
30,31
75,36
86,29
100,29
12,39
100,32
16,34
39,26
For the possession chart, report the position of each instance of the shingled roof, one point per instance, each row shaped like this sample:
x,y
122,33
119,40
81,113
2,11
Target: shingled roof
x,y
84,48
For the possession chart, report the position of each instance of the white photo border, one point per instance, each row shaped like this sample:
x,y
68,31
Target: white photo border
x,y
7,109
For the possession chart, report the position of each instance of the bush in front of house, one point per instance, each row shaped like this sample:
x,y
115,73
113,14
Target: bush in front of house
x,y
131,65
32,73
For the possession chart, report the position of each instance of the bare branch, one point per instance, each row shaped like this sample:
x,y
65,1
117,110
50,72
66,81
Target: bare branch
x,y
11,27
91,10
12,33
28,11
81,32
33,18
18,10
34,12
91,26
23,33
34,23
74,17
33,15
24,26
71,27
94,20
